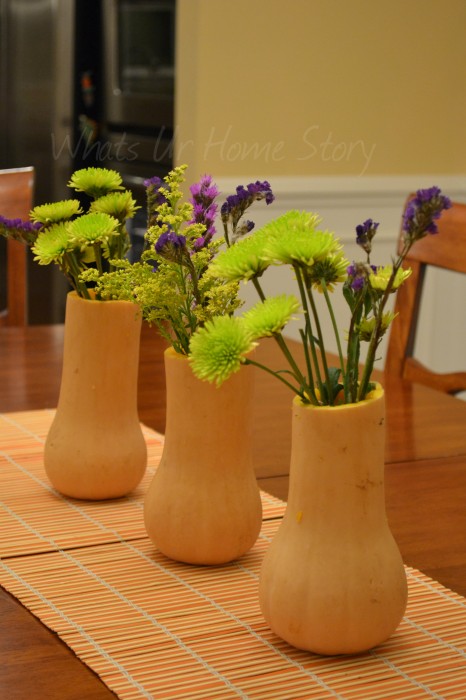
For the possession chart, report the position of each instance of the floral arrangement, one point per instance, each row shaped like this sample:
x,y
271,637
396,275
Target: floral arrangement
x,y
77,241
173,283
296,239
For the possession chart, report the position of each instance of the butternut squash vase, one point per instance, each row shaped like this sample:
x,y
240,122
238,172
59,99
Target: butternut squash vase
x,y
333,581
203,505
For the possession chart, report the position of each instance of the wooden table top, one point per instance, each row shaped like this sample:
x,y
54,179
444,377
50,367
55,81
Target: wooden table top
x,y
425,486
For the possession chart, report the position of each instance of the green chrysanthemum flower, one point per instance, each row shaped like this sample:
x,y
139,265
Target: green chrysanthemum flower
x,y
92,228
301,248
266,318
294,239
121,205
242,261
293,220
218,349
331,270
366,327
96,182
379,279
48,214
52,244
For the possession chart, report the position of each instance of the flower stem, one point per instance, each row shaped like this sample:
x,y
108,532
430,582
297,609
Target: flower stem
x,y
74,270
98,258
280,340
311,383
308,337
321,343
299,392
375,337
334,324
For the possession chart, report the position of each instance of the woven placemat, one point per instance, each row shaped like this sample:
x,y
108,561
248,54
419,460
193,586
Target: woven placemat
x,y
36,518
154,628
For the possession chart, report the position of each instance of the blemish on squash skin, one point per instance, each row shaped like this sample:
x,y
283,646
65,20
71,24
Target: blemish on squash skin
x,y
367,484
299,516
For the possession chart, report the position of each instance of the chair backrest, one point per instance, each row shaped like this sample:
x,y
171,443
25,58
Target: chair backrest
x,y
16,198
447,250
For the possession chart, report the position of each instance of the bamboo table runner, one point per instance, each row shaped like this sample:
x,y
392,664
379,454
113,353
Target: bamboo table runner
x,y
154,628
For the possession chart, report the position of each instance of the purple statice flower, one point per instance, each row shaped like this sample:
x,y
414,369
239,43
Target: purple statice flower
x,y
172,247
24,231
154,197
261,190
365,232
199,243
355,278
244,228
155,182
236,204
203,194
422,212
358,274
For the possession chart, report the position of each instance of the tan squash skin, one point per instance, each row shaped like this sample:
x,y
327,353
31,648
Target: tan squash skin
x,y
95,448
203,505
333,580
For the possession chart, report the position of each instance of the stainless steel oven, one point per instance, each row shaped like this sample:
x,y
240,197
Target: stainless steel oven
x,y
138,95
139,73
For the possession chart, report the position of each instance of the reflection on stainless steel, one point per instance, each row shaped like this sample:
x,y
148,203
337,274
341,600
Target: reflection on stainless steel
x,y
139,70
84,83
37,110
139,62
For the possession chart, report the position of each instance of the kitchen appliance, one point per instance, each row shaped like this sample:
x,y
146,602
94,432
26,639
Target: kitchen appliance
x,y
139,88
84,83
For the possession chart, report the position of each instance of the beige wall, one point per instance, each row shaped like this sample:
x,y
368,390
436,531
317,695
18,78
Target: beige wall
x,y
321,87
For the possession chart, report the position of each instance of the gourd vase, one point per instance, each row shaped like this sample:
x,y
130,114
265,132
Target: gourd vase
x,y
95,448
333,580
203,505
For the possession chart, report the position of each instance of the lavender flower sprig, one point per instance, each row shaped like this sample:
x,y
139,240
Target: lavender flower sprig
x,y
22,231
368,287
154,198
236,205
205,208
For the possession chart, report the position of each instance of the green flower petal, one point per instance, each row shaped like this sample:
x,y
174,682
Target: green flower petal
x,y
218,349
379,279
121,205
366,327
92,228
95,182
332,270
47,214
294,239
243,260
266,318
52,244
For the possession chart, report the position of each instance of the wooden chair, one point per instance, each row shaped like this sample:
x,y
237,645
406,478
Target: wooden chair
x,y
446,250
16,197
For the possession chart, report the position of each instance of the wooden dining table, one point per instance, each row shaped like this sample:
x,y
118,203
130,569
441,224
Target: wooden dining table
x,y
425,485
